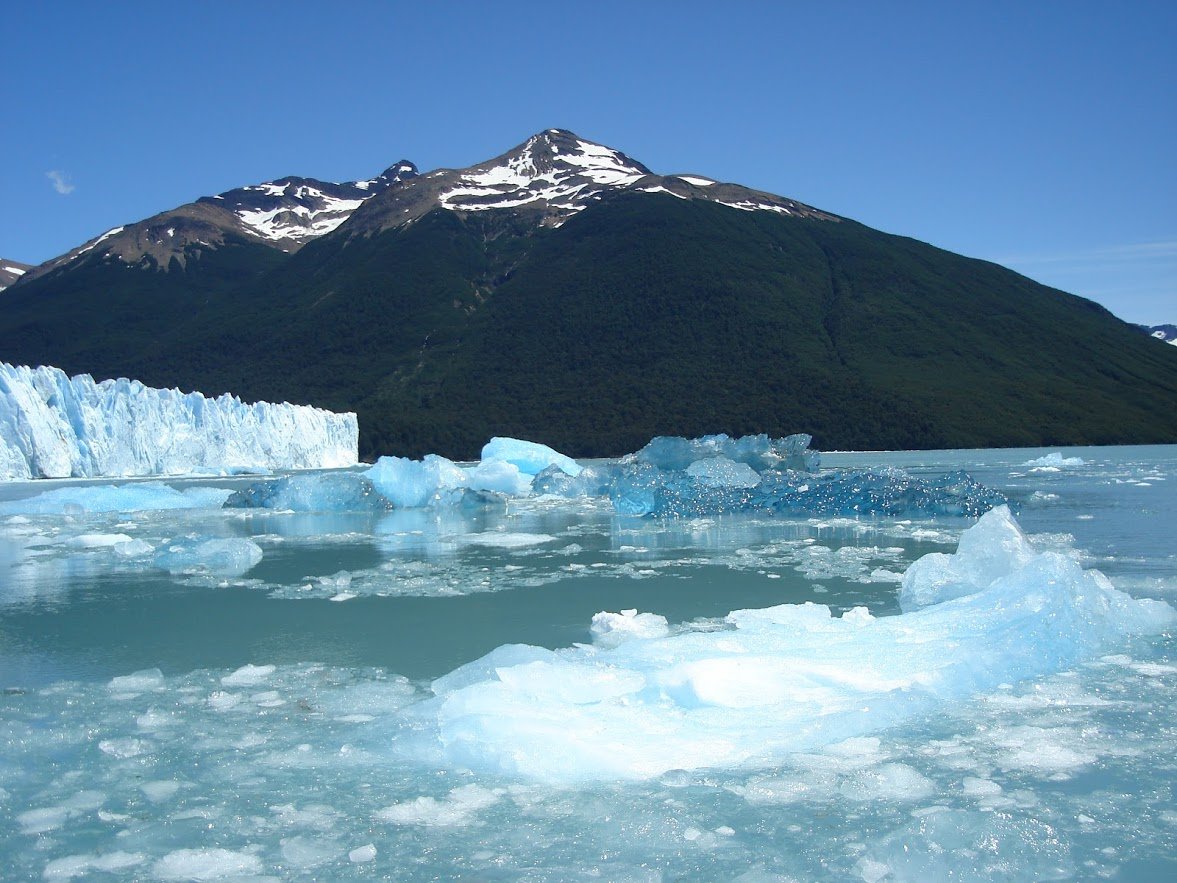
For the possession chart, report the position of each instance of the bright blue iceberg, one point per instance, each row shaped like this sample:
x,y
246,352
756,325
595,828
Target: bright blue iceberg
x,y
325,492
780,680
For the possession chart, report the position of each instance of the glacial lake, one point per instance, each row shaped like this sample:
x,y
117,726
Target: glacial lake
x,y
285,721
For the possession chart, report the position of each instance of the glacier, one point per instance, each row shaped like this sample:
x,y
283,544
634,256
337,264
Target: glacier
x,y
54,426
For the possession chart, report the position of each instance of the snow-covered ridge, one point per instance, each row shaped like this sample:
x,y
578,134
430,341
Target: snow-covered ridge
x,y
297,210
555,167
10,271
52,426
1167,333
559,174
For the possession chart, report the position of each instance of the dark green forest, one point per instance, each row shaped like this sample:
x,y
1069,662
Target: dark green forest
x,y
643,315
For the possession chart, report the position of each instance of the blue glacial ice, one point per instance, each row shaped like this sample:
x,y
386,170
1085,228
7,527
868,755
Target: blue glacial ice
x,y
669,477
136,497
311,492
674,453
53,426
530,458
644,699
215,556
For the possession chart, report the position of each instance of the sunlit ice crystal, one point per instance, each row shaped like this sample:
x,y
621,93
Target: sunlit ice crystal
x,y
779,680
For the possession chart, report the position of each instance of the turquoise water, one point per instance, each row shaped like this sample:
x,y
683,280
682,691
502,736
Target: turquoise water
x,y
265,733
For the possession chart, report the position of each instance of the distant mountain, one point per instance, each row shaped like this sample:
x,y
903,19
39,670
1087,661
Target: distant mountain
x,y
10,271
1167,333
284,215
563,292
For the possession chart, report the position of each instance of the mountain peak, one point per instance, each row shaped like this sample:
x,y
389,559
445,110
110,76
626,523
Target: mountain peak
x,y
554,169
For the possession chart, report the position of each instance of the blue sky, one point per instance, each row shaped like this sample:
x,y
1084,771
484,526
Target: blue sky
x,y
1039,135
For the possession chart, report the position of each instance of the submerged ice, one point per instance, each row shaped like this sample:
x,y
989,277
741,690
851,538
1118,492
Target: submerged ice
x,y
785,679
53,426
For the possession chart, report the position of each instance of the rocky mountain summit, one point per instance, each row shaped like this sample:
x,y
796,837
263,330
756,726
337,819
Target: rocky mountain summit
x,y
284,214
11,271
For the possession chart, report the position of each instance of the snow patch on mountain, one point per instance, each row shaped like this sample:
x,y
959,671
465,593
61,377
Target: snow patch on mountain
x,y
559,174
1167,333
52,426
555,168
10,271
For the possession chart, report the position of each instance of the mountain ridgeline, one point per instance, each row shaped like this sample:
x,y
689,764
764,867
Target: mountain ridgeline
x,y
562,292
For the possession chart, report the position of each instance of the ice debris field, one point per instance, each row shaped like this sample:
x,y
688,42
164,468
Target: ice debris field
x,y
715,658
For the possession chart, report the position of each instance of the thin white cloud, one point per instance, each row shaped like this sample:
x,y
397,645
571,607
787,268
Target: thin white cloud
x,y
60,181
1135,252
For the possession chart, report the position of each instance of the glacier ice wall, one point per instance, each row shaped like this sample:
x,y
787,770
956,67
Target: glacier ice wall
x,y
54,426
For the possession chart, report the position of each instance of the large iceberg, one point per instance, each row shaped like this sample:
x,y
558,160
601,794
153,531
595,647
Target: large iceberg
x,y
53,426
644,700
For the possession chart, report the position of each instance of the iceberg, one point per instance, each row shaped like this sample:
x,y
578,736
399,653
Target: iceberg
x,y
327,492
758,451
645,699
530,458
669,477
1054,461
53,426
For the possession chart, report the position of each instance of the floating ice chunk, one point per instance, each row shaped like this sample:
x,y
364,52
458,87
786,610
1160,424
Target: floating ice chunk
x,y
38,821
891,781
160,790
610,629
133,549
124,747
486,668
70,866
994,547
457,808
221,700
361,854
758,451
210,863
115,498
305,852
591,481
1057,461
221,557
248,676
786,679
531,458
98,540
723,472
138,682
327,492
498,476
410,484
505,539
